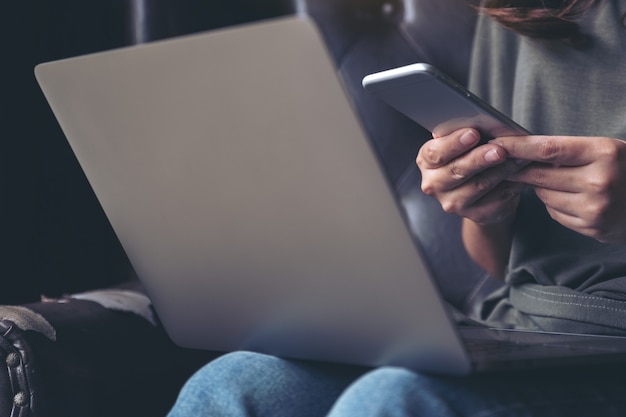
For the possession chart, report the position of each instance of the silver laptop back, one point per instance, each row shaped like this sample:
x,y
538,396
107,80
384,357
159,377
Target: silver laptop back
x,y
237,177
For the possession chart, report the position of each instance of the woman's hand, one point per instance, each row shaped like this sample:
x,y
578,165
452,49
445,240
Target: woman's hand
x,y
467,180
581,180
470,181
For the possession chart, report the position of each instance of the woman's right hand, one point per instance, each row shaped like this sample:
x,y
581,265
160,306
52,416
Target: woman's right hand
x,y
469,180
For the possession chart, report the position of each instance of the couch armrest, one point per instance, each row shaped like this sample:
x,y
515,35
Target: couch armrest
x,y
19,383
96,362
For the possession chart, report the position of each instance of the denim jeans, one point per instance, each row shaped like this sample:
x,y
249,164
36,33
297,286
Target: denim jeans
x,y
250,384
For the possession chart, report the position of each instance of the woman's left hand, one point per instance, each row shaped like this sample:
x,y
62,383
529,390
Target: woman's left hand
x,y
581,180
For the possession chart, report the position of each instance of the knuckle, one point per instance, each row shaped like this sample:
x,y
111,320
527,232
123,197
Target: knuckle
x,y
538,177
482,183
449,207
549,150
427,188
510,192
457,172
430,156
611,150
598,209
428,185
599,184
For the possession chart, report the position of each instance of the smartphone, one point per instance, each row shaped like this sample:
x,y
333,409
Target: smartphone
x,y
438,103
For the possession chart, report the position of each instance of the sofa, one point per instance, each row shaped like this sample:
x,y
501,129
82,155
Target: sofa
x,y
78,336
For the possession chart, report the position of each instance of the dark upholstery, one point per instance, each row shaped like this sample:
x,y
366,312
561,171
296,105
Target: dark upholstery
x,y
56,240
102,363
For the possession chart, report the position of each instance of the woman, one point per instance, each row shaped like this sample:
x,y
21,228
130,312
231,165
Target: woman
x,y
546,213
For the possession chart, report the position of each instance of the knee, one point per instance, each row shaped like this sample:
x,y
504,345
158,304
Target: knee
x,y
391,391
244,383
391,380
221,383
237,369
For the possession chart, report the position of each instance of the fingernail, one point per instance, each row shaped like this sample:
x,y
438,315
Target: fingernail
x,y
492,155
469,138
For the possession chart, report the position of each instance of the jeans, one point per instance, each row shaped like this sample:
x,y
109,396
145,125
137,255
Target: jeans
x,y
251,384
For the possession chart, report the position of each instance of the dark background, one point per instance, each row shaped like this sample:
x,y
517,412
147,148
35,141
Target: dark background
x,y
54,237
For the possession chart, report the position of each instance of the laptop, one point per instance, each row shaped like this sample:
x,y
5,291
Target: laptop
x,y
254,210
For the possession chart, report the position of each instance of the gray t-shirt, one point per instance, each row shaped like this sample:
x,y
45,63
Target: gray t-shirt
x,y
558,279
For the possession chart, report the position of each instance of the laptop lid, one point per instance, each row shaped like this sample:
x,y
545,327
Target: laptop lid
x,y
236,176
249,201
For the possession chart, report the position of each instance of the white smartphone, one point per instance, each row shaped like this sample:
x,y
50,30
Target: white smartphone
x,y
438,103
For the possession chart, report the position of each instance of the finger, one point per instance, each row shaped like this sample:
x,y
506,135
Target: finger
x,y
476,161
557,150
440,151
589,212
565,203
490,208
459,198
558,178
580,225
498,204
465,169
493,179
568,220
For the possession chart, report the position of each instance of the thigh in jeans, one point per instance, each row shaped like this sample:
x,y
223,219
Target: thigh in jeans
x,y
251,384
397,392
